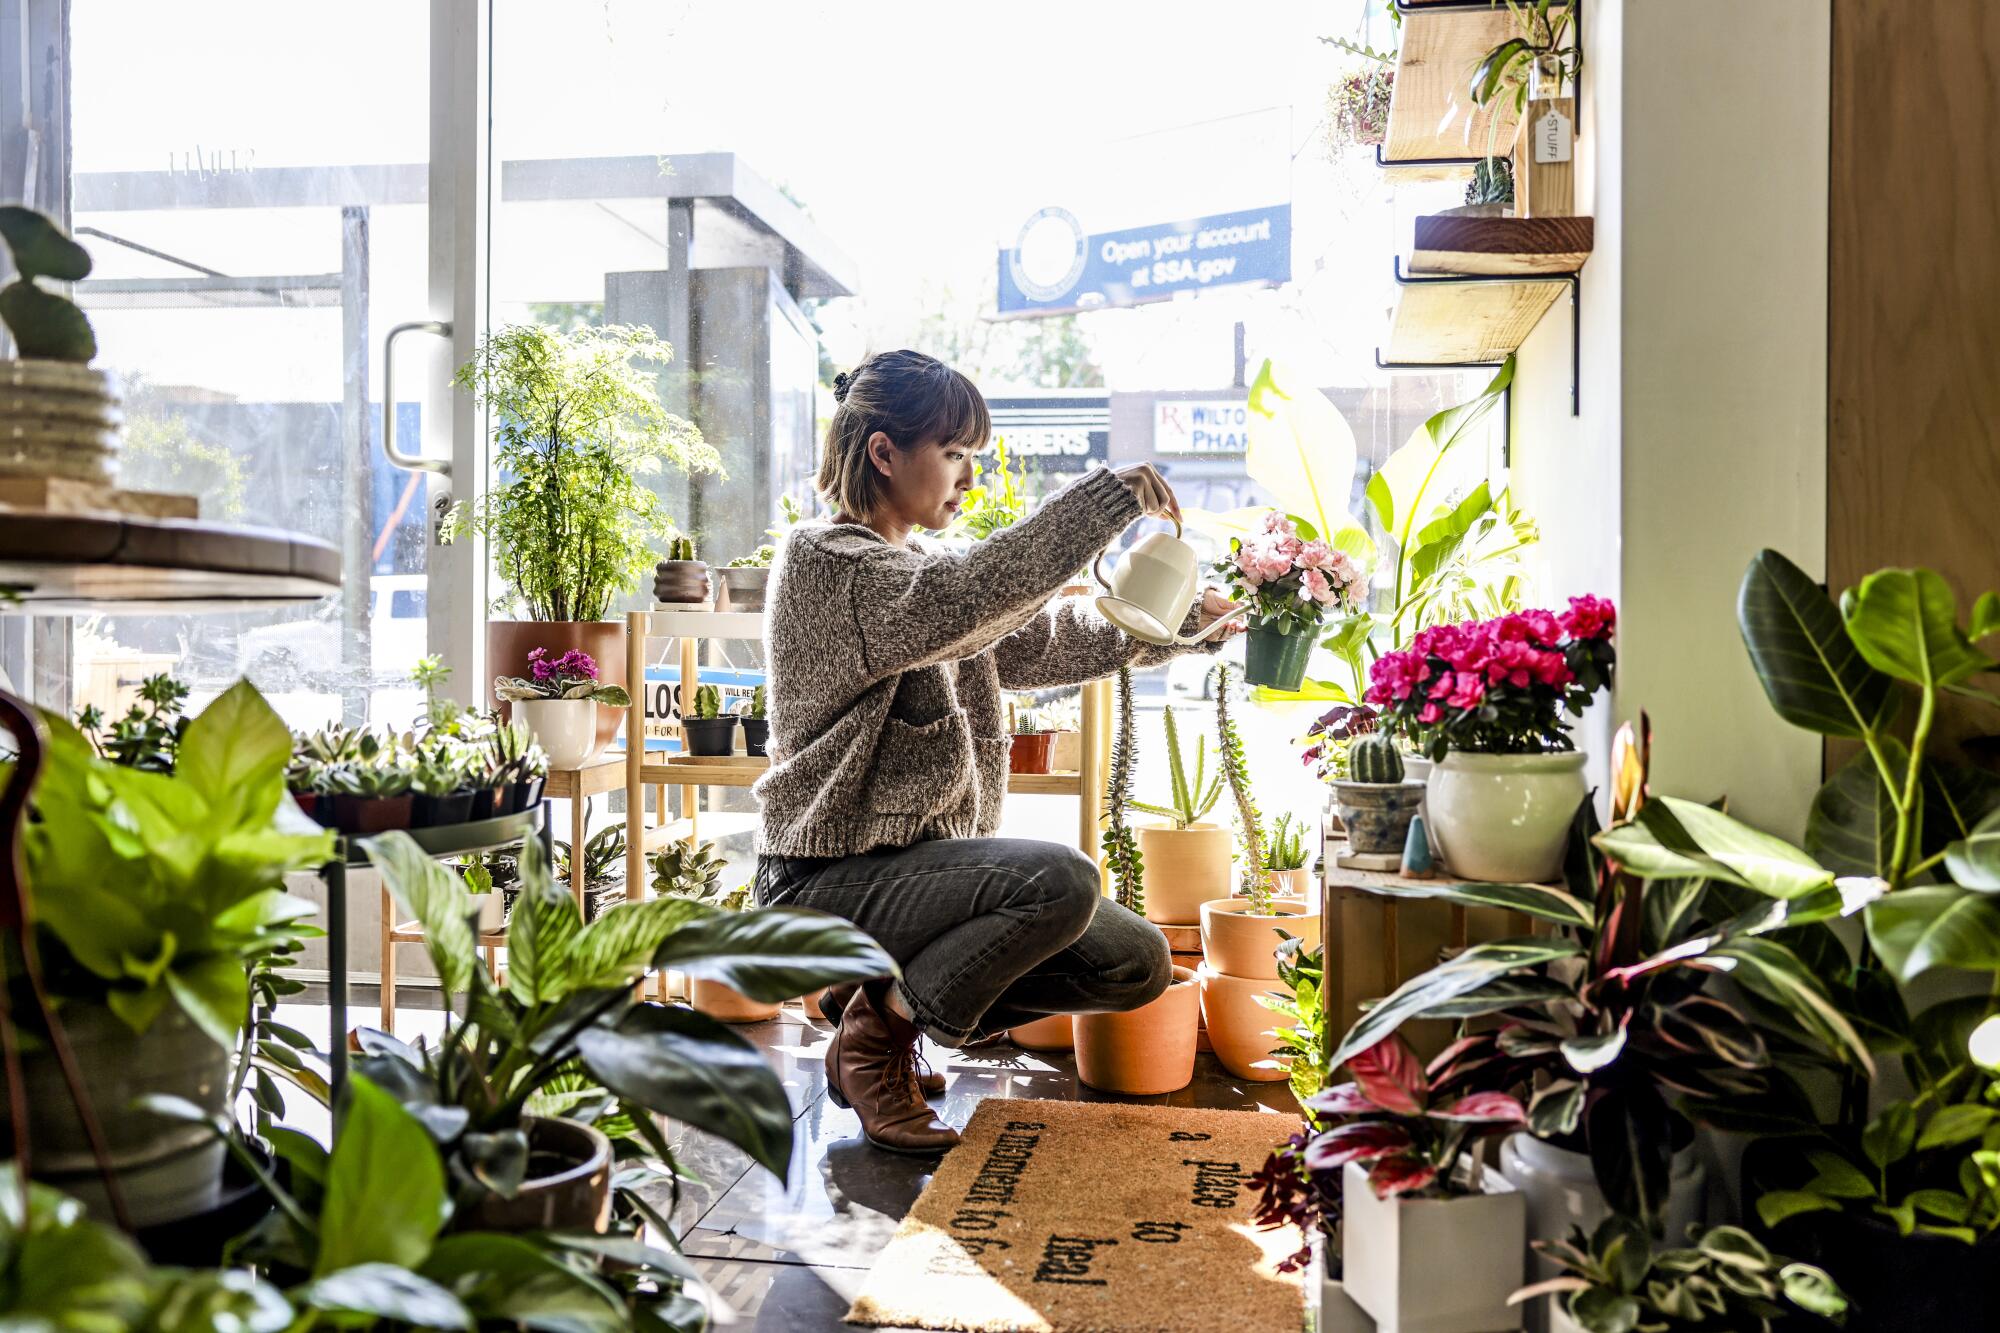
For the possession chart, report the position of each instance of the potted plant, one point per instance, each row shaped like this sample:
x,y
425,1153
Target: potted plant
x,y
580,430
1033,746
565,1032
756,725
1287,868
516,770
746,578
710,732
440,782
603,869
373,794
1291,577
694,873
1241,935
1413,1189
558,700
1186,860
155,894
1486,701
1614,1279
1150,1049
997,500
149,733
681,579
58,417
1375,804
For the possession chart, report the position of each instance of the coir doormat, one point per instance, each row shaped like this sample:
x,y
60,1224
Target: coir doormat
x,y
1063,1217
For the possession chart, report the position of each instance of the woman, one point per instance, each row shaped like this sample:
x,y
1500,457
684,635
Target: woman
x,y
889,749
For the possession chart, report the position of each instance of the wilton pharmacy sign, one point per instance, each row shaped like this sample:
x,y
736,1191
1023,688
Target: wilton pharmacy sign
x,y
1054,266
1201,425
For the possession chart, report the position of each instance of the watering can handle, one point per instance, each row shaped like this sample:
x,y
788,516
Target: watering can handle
x,y
1097,565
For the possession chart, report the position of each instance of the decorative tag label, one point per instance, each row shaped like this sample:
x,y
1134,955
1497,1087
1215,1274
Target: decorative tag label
x,y
1552,136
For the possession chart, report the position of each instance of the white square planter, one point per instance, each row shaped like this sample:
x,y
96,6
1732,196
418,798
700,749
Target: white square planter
x,y
1442,1265
1333,1310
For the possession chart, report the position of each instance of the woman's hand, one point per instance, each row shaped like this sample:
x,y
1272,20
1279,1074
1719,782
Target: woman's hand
x,y
1154,495
1215,604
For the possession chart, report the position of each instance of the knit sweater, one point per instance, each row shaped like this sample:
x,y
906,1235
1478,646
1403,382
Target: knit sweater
x,y
887,663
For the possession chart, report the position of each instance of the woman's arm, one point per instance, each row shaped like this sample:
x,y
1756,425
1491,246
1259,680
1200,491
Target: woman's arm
x,y
911,608
1068,643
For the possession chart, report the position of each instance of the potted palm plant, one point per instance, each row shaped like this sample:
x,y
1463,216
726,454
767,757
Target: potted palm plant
x,y
1186,859
580,434
155,896
58,417
558,702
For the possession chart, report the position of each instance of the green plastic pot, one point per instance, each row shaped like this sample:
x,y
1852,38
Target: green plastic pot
x,y
1276,659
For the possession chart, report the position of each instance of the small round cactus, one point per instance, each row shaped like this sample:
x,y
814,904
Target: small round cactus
x,y
1374,758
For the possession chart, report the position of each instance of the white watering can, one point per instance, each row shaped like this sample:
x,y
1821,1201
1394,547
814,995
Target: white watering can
x,y
1153,588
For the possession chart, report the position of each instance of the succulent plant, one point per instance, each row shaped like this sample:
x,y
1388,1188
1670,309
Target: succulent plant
x,y
1374,758
707,702
689,870
1492,182
681,547
1285,844
755,710
45,326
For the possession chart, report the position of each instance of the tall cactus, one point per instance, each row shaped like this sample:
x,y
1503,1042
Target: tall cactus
x,y
1256,883
1121,847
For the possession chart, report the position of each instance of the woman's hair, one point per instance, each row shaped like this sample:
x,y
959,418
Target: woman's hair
x,y
911,398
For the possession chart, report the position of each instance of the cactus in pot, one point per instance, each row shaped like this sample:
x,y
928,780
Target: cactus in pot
x,y
681,577
709,732
1374,801
58,417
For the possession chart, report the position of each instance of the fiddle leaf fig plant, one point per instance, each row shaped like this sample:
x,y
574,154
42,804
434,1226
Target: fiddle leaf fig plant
x,y
579,432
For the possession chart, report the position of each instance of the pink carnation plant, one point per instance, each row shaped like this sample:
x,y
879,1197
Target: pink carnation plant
x,y
1291,576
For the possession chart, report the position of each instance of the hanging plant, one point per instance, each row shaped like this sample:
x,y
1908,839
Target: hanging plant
x,y
1357,107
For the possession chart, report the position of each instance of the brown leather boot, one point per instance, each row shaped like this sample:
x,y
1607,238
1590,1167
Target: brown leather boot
x,y
871,1066
836,1000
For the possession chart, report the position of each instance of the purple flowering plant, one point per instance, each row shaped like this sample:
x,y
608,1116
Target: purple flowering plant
x,y
571,676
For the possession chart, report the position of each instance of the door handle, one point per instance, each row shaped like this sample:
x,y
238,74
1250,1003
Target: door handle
x,y
414,462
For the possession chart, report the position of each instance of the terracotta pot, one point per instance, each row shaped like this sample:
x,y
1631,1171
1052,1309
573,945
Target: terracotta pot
x,y
1032,752
681,582
1184,868
1290,883
1235,942
1146,1051
1239,1026
810,1003
568,1186
1057,1032
508,643
711,737
726,1004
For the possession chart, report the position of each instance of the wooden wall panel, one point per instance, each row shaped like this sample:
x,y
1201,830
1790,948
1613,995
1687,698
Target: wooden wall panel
x,y
1913,465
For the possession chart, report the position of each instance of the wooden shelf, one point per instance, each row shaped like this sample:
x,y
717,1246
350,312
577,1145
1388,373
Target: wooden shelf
x,y
699,622
1430,107
1444,323
1494,246
602,774
74,564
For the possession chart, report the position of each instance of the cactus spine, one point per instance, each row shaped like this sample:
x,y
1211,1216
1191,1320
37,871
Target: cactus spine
x,y
1256,882
1121,847
1374,758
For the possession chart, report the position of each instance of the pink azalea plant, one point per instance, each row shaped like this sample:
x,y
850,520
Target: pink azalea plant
x,y
571,676
1499,686
1291,576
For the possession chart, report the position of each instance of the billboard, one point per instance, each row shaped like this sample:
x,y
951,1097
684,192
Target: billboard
x,y
1054,266
1054,432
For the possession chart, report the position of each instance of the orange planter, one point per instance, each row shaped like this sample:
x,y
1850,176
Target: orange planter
x,y
726,1004
1238,944
1054,1033
1183,868
1033,750
1146,1051
1239,1026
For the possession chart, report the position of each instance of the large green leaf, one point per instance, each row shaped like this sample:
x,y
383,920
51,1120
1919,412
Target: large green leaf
x,y
544,927
64,1271
435,897
1811,670
676,1062
46,327
1300,448
385,1197
511,1280
1905,622
616,949
1676,839
1766,968
1401,489
1851,828
1974,861
775,953
1512,992
234,754
386,1291
214,992
1476,967
1955,799
1940,925
1440,539
1536,900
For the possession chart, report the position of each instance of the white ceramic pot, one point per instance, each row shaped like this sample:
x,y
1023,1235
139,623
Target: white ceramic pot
x,y
1561,1192
492,909
566,728
1433,1265
59,419
1504,817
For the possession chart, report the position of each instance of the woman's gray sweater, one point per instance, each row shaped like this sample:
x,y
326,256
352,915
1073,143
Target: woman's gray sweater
x,y
887,663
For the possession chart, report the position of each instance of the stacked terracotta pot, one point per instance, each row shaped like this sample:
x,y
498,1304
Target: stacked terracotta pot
x,y
1239,945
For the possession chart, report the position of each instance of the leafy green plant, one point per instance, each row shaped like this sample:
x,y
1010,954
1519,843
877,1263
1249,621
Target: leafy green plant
x,y
1191,800
579,430
44,325
149,733
1285,844
429,675
603,869
1357,107
1724,1278
996,500
513,755
154,889
1543,38
1492,181
689,870
1236,772
1301,977
1121,846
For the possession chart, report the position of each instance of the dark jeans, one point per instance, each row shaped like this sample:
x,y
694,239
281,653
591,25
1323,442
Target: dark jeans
x,y
990,932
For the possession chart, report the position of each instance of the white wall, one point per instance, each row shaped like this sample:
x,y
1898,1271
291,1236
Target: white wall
x,y
1703,433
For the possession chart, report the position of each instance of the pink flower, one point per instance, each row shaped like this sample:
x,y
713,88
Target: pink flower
x,y
1247,566
1394,675
1467,692
1289,547
1272,563
1543,625
1430,713
1590,618
1317,554
1281,523
1314,586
